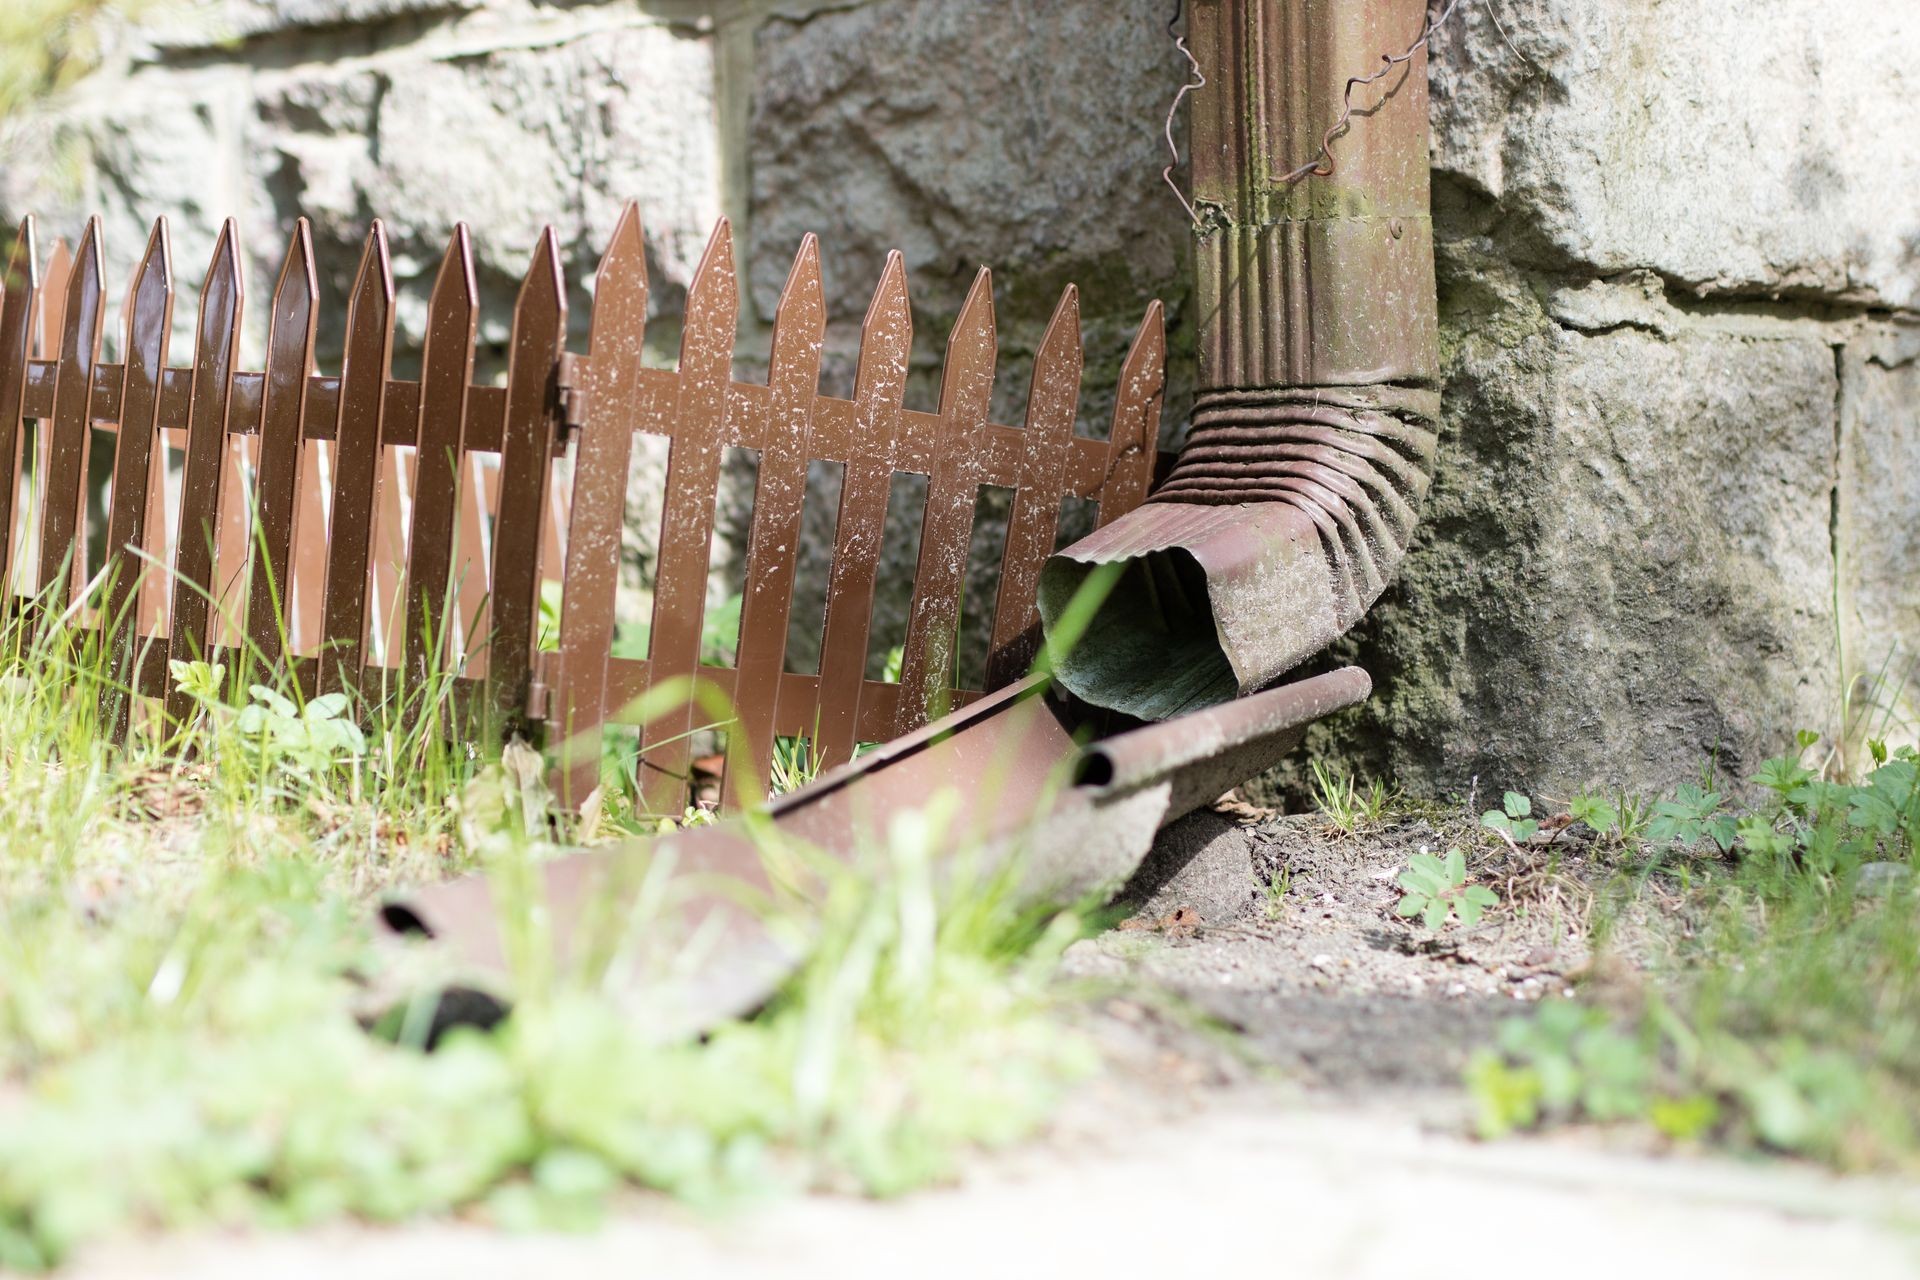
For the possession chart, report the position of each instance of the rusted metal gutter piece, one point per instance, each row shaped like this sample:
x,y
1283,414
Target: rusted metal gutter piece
x,y
1313,431
694,917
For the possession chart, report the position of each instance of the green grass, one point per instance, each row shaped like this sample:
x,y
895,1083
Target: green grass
x,y
1781,1008
1344,804
186,966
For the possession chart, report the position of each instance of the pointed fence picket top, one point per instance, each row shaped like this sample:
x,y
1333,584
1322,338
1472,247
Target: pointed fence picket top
x,y
933,626
283,415
446,375
592,573
527,437
1134,438
357,473
1035,517
294,485
686,520
19,309
49,322
209,403
149,330
61,550
779,501
880,383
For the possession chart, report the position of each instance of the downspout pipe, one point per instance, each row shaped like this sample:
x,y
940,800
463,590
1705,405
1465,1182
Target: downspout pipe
x,y
1312,438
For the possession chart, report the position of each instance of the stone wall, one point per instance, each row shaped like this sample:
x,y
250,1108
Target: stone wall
x,y
1679,273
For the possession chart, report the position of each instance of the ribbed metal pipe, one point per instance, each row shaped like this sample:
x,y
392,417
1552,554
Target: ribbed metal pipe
x,y
1313,430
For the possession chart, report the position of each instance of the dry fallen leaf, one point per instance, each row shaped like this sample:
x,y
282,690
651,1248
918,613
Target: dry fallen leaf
x,y
161,793
1240,809
1181,920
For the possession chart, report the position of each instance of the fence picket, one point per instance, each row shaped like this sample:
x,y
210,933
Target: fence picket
x,y
446,373
539,336
216,346
283,413
1051,406
886,340
149,328
18,306
48,323
598,517
779,499
686,520
946,530
1136,419
357,472
61,549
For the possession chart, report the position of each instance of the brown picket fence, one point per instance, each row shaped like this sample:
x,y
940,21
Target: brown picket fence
x,y
349,525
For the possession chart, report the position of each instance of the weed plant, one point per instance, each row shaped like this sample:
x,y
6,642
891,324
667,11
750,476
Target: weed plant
x,y
1784,1013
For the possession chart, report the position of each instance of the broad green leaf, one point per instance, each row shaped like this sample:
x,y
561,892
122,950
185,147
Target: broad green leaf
x,y
327,706
1421,881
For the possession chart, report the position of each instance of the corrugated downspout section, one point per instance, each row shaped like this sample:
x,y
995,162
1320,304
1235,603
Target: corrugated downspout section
x,y
1312,437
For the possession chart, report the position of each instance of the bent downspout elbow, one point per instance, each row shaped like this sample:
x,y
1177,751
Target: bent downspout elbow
x,y
1313,430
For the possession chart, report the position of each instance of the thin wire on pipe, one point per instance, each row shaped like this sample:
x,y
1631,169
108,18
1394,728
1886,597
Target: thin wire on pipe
x,y
1322,165
1199,81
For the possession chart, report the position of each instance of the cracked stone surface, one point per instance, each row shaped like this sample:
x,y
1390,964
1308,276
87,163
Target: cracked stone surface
x,y
1875,518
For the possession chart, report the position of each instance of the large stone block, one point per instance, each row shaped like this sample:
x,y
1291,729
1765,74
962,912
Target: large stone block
x,y
218,24
1624,571
1877,525
131,159
508,141
1023,137
1731,148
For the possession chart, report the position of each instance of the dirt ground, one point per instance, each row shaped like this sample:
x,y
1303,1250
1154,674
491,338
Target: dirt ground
x,y
1282,930
1283,1092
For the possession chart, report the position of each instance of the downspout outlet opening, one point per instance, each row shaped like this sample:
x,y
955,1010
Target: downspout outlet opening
x,y
1152,650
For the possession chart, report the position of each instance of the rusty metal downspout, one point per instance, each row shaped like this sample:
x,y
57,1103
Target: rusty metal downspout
x,y
1313,429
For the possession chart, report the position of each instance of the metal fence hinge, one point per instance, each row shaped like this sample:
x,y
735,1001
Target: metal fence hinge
x,y
573,395
539,701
